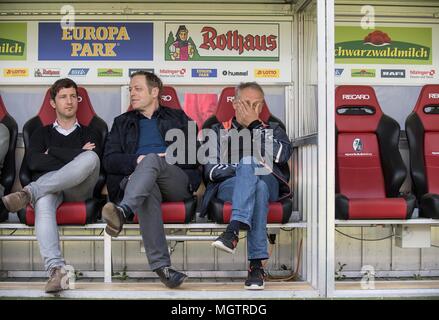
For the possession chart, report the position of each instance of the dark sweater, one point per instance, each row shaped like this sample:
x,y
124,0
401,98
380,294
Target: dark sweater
x,y
61,149
150,139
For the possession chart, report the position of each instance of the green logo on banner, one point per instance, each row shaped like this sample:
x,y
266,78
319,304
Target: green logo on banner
x,y
387,45
110,72
363,73
11,47
13,37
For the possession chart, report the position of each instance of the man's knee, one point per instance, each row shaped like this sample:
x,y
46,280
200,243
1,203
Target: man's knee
x,y
246,166
90,158
262,189
247,160
150,160
4,137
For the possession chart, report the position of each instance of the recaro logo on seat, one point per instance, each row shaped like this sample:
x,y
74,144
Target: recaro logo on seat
x,y
230,99
355,97
433,95
166,97
357,145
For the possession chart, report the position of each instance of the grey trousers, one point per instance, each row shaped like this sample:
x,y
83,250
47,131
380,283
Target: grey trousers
x,y
73,182
152,181
4,146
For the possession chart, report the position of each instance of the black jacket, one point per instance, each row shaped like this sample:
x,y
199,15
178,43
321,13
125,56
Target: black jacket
x,y
120,158
217,170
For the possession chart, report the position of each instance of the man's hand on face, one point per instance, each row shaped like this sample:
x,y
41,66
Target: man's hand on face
x,y
245,113
89,146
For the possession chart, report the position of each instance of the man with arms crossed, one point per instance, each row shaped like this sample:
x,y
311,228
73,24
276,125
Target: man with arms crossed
x,y
64,160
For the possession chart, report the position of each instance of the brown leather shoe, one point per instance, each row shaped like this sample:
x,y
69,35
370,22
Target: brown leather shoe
x,y
17,200
114,217
56,283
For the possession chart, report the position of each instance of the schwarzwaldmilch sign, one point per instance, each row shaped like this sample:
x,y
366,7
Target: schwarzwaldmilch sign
x,y
386,45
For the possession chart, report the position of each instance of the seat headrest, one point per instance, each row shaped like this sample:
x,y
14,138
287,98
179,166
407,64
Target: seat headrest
x,y
3,111
356,109
169,98
84,115
225,111
427,107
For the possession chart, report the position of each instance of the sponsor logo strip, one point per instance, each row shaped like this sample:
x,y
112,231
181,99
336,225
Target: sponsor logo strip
x,y
78,72
172,73
422,74
267,73
235,73
338,72
47,72
392,73
204,73
16,72
363,73
102,72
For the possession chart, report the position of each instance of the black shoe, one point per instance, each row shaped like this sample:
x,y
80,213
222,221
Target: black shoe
x,y
171,277
227,241
255,278
114,217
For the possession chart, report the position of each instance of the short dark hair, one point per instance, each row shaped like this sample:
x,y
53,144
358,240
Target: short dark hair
x,y
245,85
152,81
61,84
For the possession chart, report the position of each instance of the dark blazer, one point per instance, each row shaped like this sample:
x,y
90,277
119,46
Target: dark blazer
x,y
120,158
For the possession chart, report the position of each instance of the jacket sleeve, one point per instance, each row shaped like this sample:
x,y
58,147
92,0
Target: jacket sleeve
x,y
275,135
37,159
116,161
219,172
214,170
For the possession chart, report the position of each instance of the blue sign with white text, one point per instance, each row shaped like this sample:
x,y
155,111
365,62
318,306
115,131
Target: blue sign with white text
x,y
204,73
96,41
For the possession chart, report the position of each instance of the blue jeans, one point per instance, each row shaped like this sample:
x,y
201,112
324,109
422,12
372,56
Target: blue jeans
x,y
250,201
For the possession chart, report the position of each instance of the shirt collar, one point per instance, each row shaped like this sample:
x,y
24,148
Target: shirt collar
x,y
57,125
154,115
